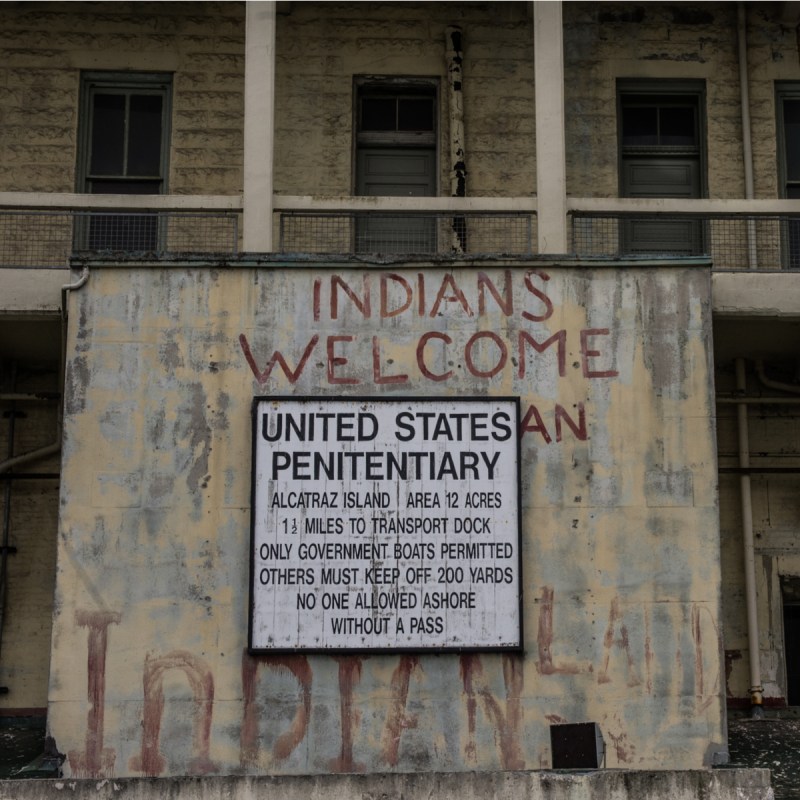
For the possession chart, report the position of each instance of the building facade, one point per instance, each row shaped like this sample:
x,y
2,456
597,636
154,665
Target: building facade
x,y
408,215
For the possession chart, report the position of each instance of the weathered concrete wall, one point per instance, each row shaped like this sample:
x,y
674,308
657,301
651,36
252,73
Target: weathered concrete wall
x,y
44,47
620,538
738,784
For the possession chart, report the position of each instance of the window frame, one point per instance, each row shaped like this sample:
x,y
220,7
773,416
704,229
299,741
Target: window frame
x,y
790,229
784,90
693,89
155,83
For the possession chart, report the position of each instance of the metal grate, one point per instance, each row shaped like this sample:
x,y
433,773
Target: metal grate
x,y
432,234
46,239
731,241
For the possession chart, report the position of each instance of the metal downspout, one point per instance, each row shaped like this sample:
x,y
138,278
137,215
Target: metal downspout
x,y
756,689
747,141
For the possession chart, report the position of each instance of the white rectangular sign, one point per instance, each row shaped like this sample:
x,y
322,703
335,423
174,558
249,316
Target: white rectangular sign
x,y
385,524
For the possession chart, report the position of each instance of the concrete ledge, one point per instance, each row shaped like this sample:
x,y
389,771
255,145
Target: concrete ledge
x,y
722,784
758,294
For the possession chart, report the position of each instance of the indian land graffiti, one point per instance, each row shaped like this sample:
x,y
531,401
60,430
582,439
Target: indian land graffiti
x,y
626,657
490,330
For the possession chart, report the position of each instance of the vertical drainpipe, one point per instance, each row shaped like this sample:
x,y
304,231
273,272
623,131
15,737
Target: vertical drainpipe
x,y
455,109
747,141
753,646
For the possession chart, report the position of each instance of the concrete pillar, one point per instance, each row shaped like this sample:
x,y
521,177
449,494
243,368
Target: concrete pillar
x,y
551,170
259,126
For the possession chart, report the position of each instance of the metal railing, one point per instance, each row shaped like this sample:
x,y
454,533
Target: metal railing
x,y
41,230
731,241
47,238
429,234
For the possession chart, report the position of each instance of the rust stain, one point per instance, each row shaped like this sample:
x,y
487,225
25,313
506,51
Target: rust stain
x,y
397,720
544,639
648,653
623,748
623,642
697,635
96,761
349,676
288,741
704,697
506,724
150,761
555,719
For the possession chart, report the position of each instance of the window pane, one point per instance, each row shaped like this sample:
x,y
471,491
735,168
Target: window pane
x,y
677,126
639,126
107,135
791,138
378,114
415,114
791,111
125,187
144,135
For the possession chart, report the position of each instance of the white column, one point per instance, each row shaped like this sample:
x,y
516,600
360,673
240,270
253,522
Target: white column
x,y
551,170
259,126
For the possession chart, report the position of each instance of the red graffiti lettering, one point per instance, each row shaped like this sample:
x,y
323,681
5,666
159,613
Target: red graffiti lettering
x,y
285,744
361,303
397,719
349,675
540,295
508,724
622,642
578,428
538,425
457,296
335,361
95,761
544,640
501,360
399,280
377,375
423,368
559,339
150,761
587,352
505,301
277,358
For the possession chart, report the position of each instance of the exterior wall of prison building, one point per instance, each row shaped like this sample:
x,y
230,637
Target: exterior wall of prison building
x,y
128,596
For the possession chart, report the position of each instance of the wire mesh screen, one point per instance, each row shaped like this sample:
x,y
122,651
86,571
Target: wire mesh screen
x,y
434,234
48,238
732,242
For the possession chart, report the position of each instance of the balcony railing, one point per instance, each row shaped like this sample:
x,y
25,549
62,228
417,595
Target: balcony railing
x,y
432,234
731,242
47,239
44,230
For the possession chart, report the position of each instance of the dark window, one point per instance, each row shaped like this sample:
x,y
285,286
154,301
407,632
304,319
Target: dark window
x,y
395,157
661,155
123,150
788,124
